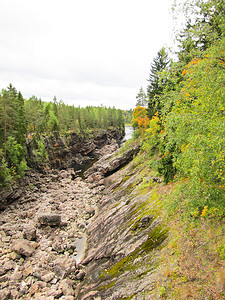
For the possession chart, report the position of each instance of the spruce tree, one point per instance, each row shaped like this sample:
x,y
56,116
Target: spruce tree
x,y
141,98
155,89
20,120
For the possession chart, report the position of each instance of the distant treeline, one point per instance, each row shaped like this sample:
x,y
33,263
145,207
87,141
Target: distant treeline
x,y
21,118
57,116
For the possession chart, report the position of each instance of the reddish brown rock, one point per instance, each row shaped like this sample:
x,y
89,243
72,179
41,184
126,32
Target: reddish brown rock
x,y
23,247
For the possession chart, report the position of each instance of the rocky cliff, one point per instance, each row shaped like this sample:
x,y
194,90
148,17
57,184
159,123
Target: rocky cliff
x,y
73,150
125,238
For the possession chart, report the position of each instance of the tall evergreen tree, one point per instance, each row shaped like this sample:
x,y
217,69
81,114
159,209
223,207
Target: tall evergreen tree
x,y
141,98
9,115
155,89
20,120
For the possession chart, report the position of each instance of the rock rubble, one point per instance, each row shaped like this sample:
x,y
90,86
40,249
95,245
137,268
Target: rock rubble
x,y
39,234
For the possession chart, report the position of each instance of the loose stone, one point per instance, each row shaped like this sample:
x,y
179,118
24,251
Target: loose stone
x,y
50,219
29,233
23,247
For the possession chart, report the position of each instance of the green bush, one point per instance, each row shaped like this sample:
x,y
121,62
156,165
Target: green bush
x,y
15,157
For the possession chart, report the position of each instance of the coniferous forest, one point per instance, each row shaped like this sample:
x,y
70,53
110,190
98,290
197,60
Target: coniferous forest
x,y
23,120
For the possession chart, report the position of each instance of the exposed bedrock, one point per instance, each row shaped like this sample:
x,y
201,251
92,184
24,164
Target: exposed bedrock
x,y
40,254
125,239
76,149
70,152
109,164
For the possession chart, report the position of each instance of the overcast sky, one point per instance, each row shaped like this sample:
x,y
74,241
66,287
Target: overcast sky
x,y
85,52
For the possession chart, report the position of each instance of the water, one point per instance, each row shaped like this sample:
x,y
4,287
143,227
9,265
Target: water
x,y
128,134
80,246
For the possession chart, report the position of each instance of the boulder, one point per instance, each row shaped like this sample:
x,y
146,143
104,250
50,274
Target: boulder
x,y
5,294
48,277
66,286
29,233
59,272
50,220
23,247
108,165
90,211
80,275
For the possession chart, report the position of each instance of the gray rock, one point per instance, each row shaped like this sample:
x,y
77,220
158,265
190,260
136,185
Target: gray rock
x,y
58,247
49,219
4,278
2,272
5,294
145,221
90,211
90,295
29,233
66,286
48,277
59,272
80,275
8,265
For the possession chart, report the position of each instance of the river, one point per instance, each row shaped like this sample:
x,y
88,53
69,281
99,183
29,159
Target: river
x,y
128,134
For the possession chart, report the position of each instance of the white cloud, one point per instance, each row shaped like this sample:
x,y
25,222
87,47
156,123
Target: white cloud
x,y
84,52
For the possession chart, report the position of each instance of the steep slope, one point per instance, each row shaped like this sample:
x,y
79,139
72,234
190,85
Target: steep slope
x,y
125,238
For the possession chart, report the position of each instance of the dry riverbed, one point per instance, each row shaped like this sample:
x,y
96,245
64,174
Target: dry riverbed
x,y
42,237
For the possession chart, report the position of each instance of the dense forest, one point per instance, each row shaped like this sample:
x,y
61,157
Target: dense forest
x,y
181,117
22,120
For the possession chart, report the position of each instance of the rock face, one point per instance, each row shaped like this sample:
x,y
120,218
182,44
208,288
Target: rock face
x,y
71,152
73,149
109,165
124,241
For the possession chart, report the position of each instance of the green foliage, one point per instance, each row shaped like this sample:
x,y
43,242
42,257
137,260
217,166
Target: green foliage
x,y
155,87
15,157
187,136
166,168
127,116
59,117
5,176
39,152
141,98
33,118
12,121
